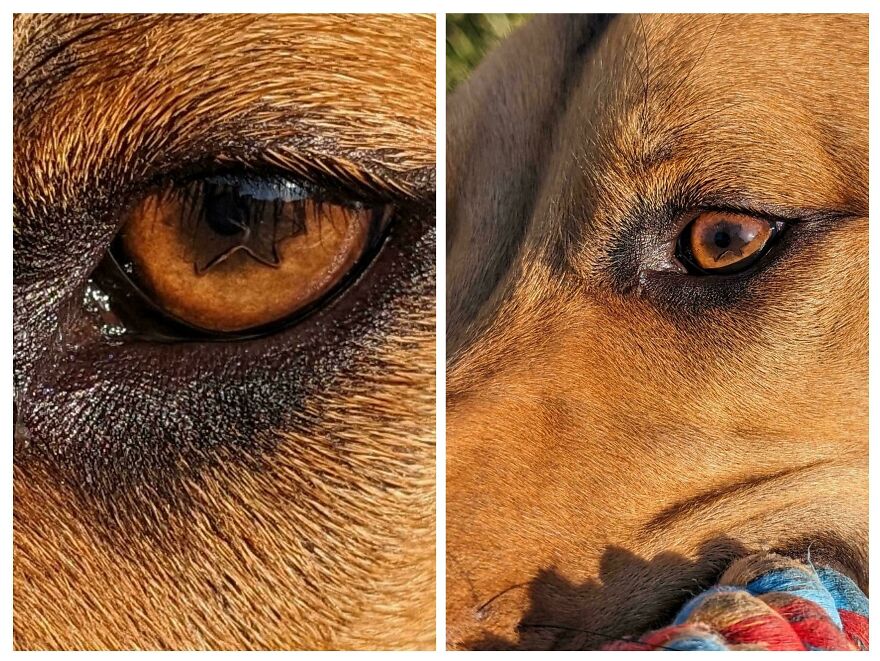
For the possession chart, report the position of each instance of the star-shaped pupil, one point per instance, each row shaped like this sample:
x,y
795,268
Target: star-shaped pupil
x,y
223,221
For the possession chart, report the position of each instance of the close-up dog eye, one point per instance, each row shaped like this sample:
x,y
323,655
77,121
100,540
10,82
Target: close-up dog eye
x,y
721,242
224,331
227,255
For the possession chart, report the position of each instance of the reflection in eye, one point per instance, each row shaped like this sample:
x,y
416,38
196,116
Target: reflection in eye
x,y
725,242
227,254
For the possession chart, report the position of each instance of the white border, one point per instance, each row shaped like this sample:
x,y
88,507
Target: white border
x,y
873,301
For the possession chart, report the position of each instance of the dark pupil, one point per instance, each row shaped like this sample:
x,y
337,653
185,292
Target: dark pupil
x,y
722,239
222,220
226,212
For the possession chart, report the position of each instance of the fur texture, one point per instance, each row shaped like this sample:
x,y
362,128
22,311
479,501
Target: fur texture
x,y
617,432
272,493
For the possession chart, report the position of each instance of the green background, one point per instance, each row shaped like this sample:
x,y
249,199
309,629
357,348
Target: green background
x,y
469,37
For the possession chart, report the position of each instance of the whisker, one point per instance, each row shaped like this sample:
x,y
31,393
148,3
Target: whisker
x,y
702,53
485,605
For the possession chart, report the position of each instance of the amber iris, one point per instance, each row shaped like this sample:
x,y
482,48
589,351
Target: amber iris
x,y
724,242
227,254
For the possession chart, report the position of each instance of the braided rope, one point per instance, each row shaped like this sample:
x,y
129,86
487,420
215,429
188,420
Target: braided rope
x,y
767,602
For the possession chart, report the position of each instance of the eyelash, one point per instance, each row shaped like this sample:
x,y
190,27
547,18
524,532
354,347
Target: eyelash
x,y
266,194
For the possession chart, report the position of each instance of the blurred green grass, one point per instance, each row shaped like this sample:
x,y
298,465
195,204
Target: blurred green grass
x,y
469,37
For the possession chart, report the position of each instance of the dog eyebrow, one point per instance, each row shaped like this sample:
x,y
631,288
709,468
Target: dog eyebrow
x,y
49,45
292,97
43,45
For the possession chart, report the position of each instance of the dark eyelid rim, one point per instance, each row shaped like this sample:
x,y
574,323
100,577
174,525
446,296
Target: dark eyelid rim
x,y
371,190
671,218
327,176
680,215
788,217
648,224
682,253
337,180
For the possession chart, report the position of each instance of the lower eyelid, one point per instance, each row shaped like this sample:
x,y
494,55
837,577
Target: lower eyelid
x,y
686,292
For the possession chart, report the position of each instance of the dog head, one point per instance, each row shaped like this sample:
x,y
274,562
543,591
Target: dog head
x,y
270,491
657,277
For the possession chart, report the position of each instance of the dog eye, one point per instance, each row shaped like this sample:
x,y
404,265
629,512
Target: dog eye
x,y
229,254
720,242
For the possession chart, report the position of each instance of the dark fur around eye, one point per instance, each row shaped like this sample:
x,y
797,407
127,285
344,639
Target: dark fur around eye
x,y
108,417
649,233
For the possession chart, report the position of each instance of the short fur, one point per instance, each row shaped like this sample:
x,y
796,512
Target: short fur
x,y
616,435
265,494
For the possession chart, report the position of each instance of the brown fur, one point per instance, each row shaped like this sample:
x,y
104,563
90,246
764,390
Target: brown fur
x,y
316,534
615,439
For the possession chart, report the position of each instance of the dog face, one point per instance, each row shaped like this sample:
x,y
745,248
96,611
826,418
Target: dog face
x,y
620,425
271,491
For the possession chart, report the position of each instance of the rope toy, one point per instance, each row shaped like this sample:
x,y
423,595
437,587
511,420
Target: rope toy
x,y
767,602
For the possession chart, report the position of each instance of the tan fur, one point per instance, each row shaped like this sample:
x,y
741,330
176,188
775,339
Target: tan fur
x,y
329,543
608,454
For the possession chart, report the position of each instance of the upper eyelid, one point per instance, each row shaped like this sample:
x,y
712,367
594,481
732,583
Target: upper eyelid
x,y
355,171
332,176
305,157
309,181
325,176
670,218
772,212
676,217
